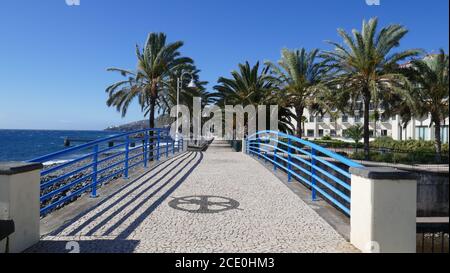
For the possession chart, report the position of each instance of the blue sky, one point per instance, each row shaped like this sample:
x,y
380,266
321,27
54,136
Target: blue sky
x,y
53,57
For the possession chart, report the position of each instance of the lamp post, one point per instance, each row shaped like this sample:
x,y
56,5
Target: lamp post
x,y
179,87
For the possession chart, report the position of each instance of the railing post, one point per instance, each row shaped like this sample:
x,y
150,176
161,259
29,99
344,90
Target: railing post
x,y
258,141
158,138
146,143
264,151
313,173
173,146
167,147
289,160
94,173
127,152
275,157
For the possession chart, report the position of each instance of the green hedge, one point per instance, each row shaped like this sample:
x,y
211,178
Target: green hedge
x,y
406,145
413,157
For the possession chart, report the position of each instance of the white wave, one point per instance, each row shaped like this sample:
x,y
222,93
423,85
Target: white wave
x,y
53,162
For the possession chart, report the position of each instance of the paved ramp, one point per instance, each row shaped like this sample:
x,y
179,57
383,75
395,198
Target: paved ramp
x,y
215,201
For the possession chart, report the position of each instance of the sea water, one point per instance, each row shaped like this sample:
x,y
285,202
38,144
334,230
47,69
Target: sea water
x,y
22,145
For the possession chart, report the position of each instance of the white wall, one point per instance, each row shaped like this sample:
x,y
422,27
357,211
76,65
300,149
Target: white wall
x,y
383,214
19,201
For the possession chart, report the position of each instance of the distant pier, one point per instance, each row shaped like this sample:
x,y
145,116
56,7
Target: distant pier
x,y
68,141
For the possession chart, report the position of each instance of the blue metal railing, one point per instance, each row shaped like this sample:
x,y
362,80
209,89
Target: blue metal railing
x,y
97,162
323,171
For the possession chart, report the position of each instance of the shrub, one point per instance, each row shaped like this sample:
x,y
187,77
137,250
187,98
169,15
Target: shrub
x,y
406,145
418,156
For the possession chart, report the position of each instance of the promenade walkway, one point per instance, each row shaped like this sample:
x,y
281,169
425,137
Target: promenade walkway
x,y
213,201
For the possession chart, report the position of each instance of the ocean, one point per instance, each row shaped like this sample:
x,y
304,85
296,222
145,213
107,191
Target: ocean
x,y
22,145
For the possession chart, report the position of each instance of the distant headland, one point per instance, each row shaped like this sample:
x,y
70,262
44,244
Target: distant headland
x,y
160,122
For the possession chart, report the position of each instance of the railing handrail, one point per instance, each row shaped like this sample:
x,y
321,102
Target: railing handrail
x,y
47,157
90,171
331,181
318,148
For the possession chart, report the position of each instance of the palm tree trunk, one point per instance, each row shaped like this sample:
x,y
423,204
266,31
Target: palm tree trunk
x,y
437,138
298,116
366,98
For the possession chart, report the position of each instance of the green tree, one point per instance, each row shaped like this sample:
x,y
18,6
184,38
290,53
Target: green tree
x,y
186,94
156,61
252,86
431,91
300,76
248,86
355,133
169,94
364,66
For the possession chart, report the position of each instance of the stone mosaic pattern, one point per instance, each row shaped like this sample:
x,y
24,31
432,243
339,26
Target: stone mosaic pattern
x,y
256,214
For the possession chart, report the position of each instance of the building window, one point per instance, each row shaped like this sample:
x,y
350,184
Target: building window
x,y
384,132
332,133
310,133
331,119
422,132
320,132
358,118
319,119
371,133
311,118
344,118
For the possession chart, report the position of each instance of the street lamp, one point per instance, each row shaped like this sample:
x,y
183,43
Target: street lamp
x,y
179,87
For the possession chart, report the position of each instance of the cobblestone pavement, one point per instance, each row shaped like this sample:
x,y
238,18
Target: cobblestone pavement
x,y
213,201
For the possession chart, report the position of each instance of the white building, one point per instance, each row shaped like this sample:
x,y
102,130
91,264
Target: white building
x,y
318,126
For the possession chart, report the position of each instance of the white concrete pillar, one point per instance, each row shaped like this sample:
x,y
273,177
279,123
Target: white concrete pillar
x,y
19,201
383,210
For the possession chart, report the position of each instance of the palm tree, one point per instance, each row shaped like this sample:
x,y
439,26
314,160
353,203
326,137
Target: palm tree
x,y
168,97
248,86
364,66
251,86
155,63
355,132
431,91
300,76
